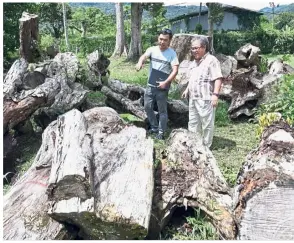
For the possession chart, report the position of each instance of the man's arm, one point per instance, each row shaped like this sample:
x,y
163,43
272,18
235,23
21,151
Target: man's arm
x,y
141,62
170,78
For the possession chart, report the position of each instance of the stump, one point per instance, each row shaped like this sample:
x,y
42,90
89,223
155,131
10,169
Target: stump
x,y
28,37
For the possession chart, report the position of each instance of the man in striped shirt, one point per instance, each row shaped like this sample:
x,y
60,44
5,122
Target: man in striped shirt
x,y
203,90
163,69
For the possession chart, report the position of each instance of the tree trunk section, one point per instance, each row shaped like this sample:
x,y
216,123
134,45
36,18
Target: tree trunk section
x,y
210,28
29,37
188,175
120,44
265,192
65,26
136,43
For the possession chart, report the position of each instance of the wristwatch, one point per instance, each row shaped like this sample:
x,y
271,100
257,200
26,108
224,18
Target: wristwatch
x,y
216,94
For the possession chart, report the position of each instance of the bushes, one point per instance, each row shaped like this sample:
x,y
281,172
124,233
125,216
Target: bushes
x,y
282,103
269,41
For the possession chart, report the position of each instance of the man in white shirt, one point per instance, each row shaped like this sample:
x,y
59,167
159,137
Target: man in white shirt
x,y
163,69
203,90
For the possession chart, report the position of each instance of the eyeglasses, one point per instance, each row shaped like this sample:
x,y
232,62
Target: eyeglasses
x,y
196,48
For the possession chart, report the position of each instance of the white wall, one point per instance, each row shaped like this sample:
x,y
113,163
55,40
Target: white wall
x,y
230,22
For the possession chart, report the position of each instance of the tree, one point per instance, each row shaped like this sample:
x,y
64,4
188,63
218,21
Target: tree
x,y
215,16
51,16
91,20
284,19
136,39
120,44
65,26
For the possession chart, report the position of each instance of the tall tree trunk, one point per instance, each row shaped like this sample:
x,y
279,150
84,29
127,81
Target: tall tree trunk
x,y
210,28
65,26
136,44
120,44
83,29
199,13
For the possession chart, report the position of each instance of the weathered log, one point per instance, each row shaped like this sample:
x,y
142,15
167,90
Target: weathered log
x,y
188,176
25,205
123,104
227,63
181,43
279,67
28,37
248,55
248,89
99,165
14,79
265,191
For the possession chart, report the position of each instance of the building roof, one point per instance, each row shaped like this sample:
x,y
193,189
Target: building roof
x,y
227,7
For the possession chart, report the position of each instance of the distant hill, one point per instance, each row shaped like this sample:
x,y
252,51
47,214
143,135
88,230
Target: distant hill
x,y
278,10
176,10
172,10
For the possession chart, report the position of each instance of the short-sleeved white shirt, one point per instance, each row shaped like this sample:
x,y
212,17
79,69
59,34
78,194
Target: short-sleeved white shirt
x,y
202,76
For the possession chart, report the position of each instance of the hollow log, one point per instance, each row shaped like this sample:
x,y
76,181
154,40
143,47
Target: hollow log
x,y
248,55
28,37
263,199
189,176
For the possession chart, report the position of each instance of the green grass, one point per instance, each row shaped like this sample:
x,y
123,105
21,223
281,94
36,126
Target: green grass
x,y
96,96
126,72
230,146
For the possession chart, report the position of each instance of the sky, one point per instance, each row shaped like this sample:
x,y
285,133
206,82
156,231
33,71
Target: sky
x,y
250,4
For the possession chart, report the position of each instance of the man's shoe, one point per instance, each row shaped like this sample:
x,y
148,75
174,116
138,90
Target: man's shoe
x,y
152,131
160,136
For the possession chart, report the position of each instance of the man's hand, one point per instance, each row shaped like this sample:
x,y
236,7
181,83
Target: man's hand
x,y
185,94
139,66
162,84
214,100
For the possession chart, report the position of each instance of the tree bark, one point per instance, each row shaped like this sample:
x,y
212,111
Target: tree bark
x,y
136,41
210,28
29,37
264,195
120,44
65,26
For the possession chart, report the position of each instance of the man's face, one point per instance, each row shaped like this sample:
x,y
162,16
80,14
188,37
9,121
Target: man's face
x,y
197,50
163,41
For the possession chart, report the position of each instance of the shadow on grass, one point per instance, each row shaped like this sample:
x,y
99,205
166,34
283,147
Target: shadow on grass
x,y
221,143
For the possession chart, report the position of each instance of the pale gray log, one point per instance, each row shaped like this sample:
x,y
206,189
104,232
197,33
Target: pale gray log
x,y
25,205
118,160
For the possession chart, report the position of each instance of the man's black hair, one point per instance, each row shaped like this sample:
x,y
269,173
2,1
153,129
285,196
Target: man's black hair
x,y
166,32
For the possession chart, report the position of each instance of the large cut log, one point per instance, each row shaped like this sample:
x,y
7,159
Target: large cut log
x,y
248,89
181,43
265,192
25,205
248,55
98,167
28,37
189,176
101,181
279,67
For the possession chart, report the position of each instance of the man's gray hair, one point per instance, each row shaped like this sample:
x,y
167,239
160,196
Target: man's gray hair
x,y
203,41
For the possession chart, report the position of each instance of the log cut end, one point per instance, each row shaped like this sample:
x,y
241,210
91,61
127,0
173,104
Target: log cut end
x,y
269,214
